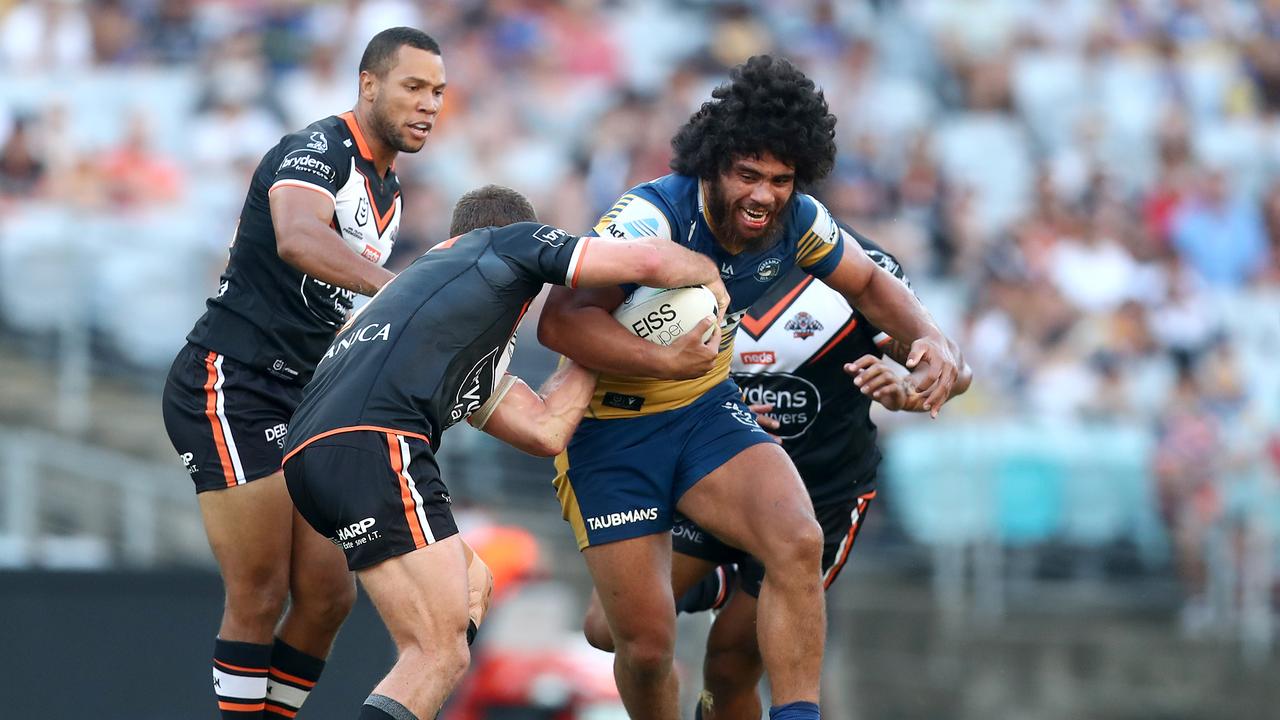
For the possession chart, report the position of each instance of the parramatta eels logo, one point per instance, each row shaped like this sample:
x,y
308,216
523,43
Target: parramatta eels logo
x,y
768,270
803,325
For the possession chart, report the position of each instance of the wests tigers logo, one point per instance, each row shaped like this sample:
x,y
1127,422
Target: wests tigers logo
x,y
803,325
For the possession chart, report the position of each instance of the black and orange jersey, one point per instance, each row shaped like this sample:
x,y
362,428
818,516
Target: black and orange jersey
x,y
791,350
430,347
268,314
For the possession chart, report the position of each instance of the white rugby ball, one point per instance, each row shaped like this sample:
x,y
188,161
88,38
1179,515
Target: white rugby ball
x,y
662,315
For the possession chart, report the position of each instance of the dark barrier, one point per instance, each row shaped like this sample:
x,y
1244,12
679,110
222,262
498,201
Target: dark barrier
x,y
136,646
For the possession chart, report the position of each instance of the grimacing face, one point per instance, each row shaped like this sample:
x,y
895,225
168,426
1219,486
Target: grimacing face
x,y
408,99
747,201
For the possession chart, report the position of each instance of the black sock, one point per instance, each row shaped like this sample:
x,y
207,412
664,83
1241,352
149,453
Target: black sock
x,y
292,676
381,707
240,678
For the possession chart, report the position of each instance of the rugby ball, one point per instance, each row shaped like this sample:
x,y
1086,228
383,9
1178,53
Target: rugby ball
x,y
662,315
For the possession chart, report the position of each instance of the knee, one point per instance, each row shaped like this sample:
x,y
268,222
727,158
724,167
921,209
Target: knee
x,y
648,652
257,600
327,608
729,668
797,549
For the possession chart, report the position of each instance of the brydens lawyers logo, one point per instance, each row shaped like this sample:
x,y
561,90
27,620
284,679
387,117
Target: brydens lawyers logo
x,y
803,325
758,357
553,236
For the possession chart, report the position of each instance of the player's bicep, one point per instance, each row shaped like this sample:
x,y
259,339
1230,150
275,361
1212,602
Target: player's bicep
x,y
852,273
293,202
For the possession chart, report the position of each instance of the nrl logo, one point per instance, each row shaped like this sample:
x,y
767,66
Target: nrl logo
x,y
803,325
318,142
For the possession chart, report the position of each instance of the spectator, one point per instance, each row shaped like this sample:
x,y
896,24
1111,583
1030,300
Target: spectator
x,y
45,35
21,170
134,175
1220,235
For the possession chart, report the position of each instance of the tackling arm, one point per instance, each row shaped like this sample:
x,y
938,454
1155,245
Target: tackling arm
x,y
579,325
305,240
891,306
538,423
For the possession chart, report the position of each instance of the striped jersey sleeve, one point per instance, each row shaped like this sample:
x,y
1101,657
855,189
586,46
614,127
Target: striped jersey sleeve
x,y
638,214
821,245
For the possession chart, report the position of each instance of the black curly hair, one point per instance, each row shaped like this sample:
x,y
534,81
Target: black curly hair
x,y
768,105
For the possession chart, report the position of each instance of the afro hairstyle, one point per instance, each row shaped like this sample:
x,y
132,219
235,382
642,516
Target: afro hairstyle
x,y
768,105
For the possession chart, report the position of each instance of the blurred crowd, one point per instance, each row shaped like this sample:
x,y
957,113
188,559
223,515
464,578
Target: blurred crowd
x,y
1089,187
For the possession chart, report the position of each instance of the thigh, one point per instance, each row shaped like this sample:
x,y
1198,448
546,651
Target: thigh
x,y
750,497
716,429
250,529
376,495
632,581
614,480
227,422
318,568
687,571
421,595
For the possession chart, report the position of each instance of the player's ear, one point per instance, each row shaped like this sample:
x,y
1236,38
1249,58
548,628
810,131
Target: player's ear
x,y
368,86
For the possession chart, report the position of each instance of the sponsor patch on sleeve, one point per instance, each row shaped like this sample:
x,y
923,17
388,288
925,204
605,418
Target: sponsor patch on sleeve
x,y
633,217
307,162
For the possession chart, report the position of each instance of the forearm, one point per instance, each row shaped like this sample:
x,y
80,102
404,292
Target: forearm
x,y
319,252
592,337
565,397
677,266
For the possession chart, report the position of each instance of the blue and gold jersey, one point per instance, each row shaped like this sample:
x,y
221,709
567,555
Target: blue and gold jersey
x,y
673,207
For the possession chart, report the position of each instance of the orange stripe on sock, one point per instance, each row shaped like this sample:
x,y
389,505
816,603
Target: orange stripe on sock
x,y
241,707
211,411
281,710
239,668
277,672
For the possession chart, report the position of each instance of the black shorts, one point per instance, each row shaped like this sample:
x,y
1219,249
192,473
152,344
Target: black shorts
x,y
374,494
227,421
840,523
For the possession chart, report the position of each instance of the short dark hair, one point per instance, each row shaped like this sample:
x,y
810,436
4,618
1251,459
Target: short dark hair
x,y
380,54
768,105
490,206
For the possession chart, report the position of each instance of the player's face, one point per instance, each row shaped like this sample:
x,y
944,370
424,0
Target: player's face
x,y
408,99
747,201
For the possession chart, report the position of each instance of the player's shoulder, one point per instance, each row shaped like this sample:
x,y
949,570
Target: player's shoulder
x,y
808,213
525,236
327,137
319,153
874,250
652,209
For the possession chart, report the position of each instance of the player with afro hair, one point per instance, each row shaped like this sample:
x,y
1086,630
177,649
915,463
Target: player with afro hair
x,y
767,105
668,433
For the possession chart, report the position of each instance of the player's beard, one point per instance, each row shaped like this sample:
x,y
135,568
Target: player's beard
x,y
726,226
388,131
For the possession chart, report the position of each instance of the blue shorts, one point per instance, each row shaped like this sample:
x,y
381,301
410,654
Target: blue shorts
x,y
621,478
